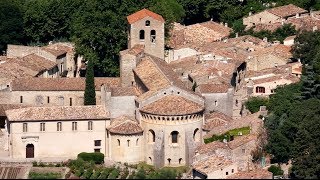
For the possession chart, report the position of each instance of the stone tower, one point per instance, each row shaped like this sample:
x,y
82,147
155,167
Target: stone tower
x,y
147,28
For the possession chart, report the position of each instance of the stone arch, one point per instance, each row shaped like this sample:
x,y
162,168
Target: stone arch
x,y
29,151
153,36
147,23
141,34
196,135
174,136
151,136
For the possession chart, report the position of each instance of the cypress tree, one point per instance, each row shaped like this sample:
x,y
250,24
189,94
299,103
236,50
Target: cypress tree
x,y
90,93
308,83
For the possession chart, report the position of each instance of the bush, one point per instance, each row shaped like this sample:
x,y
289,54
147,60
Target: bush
x,y
253,104
96,157
114,174
276,170
34,175
96,174
35,164
105,173
87,174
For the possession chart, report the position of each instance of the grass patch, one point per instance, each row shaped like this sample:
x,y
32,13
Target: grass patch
x,y
34,175
228,135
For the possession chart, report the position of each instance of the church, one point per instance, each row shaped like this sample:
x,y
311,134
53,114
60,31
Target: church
x,y
149,115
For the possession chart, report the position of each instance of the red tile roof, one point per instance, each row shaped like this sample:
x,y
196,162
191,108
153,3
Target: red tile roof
x,y
172,105
213,88
142,14
253,174
215,119
125,125
287,10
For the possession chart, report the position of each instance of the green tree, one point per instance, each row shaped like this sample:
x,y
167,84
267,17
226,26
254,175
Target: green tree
x,y
253,104
90,93
141,174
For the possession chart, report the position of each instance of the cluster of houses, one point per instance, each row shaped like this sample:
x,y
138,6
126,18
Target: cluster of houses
x,y
163,105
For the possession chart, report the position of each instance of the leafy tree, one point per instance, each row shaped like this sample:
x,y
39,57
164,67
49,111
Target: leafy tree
x,y
90,93
276,170
141,174
253,104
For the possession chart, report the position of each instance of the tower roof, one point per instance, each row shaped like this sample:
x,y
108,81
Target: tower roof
x,y
142,14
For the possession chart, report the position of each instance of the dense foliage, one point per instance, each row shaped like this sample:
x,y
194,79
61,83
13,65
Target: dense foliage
x,y
96,157
253,104
90,92
294,120
228,136
276,170
51,175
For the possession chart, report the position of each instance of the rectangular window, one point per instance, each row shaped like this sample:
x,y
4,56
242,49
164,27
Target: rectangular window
x,y
21,99
97,142
42,126
90,125
74,126
70,101
48,99
243,151
59,126
96,150
25,127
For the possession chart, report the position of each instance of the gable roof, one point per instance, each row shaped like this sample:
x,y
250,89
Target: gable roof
x,y
59,84
58,113
287,10
142,14
172,105
125,125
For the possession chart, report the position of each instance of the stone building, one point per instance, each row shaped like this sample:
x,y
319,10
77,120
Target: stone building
x,y
274,15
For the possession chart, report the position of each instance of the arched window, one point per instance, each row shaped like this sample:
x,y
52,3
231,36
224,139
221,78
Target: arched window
x,y
141,35
180,160
137,142
196,135
128,141
169,160
152,136
174,136
153,36
150,159
118,142
147,23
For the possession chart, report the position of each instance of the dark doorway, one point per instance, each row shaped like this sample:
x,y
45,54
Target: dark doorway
x,y
30,151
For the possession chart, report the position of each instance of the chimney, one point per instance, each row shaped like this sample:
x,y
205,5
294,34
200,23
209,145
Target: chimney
x,y
226,24
237,35
221,23
250,13
314,28
297,15
220,73
265,39
211,19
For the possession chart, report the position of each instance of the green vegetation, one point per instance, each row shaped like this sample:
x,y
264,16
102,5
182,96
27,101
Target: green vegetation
x,y
90,92
96,157
253,104
228,135
294,120
34,175
276,170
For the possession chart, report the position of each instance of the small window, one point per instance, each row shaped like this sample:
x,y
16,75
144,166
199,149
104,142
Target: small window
x,y
169,161
59,126
42,127
152,136
48,99
141,34
25,127
70,101
216,103
260,89
21,99
74,126
174,136
232,170
153,36
227,173
90,125
128,141
97,150
118,142
147,23
137,142
97,142
180,160
243,151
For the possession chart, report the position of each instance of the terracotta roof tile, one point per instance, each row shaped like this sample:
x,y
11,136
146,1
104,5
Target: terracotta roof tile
x,y
14,70
292,78
57,113
59,84
124,91
213,88
172,105
287,10
253,174
125,125
211,164
54,52
4,107
214,120
142,14
211,147
62,46
240,140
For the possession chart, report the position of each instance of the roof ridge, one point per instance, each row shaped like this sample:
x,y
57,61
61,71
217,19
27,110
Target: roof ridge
x,y
171,83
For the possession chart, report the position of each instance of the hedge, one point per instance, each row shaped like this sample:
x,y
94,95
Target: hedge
x,y
96,157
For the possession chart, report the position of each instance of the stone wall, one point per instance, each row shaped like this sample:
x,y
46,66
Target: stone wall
x,y
122,105
21,51
53,143
155,48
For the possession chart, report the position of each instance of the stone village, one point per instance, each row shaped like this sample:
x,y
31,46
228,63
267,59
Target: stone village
x,y
163,105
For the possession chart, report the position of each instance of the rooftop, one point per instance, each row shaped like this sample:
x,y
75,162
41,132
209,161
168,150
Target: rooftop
x,y
142,14
55,52
213,88
60,84
57,113
4,107
215,119
211,147
213,163
287,10
253,174
125,125
240,140
172,105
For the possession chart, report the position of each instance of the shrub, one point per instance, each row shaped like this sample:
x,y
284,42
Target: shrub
x,y
114,174
105,173
253,104
35,164
87,174
96,174
41,164
96,157
276,170
34,175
